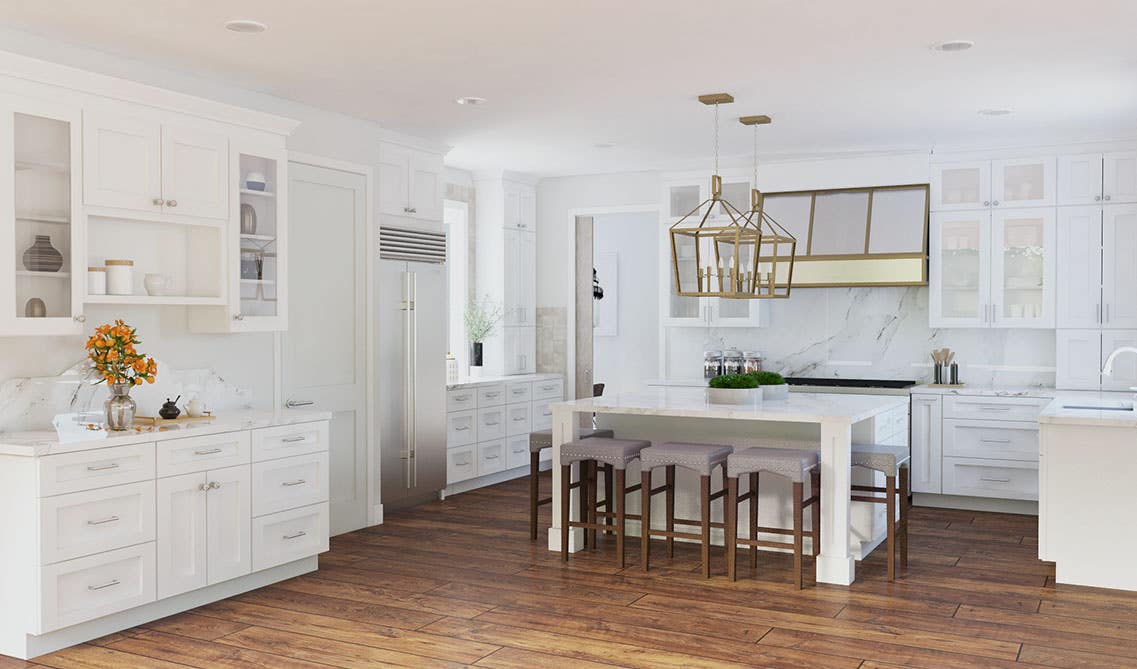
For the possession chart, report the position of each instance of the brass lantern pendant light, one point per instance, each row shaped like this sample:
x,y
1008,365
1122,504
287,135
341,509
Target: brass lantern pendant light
x,y
719,251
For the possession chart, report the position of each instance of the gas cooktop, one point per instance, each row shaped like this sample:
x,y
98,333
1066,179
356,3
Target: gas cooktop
x,y
850,383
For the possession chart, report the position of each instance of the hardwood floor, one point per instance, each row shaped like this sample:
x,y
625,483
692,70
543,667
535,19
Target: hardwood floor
x,y
458,583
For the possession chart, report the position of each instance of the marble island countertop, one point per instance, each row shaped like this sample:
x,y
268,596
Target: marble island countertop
x,y
1062,411
69,435
985,390
692,402
472,381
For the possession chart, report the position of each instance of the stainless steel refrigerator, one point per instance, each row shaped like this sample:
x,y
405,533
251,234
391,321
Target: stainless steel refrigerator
x,y
411,365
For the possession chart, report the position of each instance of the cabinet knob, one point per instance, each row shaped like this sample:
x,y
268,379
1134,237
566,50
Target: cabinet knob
x,y
1107,198
986,203
995,203
158,202
80,319
238,317
1097,198
171,203
406,210
413,210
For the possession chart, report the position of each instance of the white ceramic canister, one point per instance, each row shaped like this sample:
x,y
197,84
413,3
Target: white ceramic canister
x,y
120,277
96,280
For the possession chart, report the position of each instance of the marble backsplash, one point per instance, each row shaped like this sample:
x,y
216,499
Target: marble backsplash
x,y
868,333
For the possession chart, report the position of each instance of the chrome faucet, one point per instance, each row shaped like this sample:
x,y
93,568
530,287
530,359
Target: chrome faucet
x,y
1107,369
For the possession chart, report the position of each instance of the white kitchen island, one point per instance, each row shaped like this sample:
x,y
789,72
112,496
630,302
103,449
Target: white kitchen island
x,y
660,414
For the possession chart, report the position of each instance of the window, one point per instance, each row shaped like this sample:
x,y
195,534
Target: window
x,y
455,217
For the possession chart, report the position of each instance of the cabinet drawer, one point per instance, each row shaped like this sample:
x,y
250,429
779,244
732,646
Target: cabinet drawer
x,y
491,423
994,408
289,483
491,396
96,586
991,439
290,535
491,457
86,470
289,440
519,420
519,391
517,451
195,454
1001,479
542,416
93,521
461,399
461,428
551,389
461,463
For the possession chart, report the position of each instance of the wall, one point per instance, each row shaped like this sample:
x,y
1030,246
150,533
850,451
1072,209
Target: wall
x,y
624,360
245,360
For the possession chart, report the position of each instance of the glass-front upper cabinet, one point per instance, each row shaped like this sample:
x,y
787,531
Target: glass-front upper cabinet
x,y
1013,182
961,186
960,269
40,257
1022,268
262,191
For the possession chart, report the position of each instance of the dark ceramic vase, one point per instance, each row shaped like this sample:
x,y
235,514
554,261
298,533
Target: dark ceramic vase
x,y
476,354
42,256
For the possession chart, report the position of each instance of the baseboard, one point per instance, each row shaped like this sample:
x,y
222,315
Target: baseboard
x,y
1019,506
35,645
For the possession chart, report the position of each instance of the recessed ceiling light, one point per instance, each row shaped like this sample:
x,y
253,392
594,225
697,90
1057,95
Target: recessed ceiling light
x,y
469,100
245,26
996,111
953,45
604,145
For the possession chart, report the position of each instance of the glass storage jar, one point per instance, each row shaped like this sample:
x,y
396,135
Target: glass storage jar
x,y
732,361
712,364
751,361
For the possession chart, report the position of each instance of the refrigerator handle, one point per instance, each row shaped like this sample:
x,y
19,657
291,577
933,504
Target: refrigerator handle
x,y
408,393
414,381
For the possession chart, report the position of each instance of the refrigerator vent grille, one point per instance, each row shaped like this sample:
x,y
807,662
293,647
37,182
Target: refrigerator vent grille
x,y
412,245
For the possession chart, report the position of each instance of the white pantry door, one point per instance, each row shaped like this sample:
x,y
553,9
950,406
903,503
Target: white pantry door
x,y
325,347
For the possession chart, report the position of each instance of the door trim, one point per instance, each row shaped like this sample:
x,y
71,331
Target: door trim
x,y
374,507
570,280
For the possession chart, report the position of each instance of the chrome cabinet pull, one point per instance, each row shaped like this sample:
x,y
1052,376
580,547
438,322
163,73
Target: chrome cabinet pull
x,y
995,202
238,317
496,422
462,398
171,203
292,404
986,203
518,391
1107,198
993,480
208,451
462,429
492,457
292,440
492,395
102,468
289,484
299,534
104,521
81,318
1107,312
1097,313
519,419
995,441
108,584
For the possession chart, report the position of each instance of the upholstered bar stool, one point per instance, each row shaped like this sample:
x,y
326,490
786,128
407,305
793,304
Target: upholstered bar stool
x,y
539,441
792,463
699,458
616,453
890,461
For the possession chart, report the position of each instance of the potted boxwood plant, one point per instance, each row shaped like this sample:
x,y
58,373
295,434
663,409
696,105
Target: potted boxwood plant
x,y
773,385
734,389
481,319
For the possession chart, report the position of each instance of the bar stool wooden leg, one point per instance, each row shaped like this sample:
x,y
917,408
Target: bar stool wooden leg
x,y
621,524
905,503
705,524
754,519
590,500
645,518
534,483
798,522
565,482
815,510
608,501
670,506
730,527
890,510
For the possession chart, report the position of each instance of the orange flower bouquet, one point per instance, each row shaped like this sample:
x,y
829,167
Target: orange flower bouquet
x,y
111,350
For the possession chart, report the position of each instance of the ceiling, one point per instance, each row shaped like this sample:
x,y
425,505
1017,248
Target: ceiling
x,y
560,77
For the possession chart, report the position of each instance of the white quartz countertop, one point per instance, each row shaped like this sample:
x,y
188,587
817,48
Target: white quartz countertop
x,y
690,402
68,436
987,391
1057,413
797,388
486,380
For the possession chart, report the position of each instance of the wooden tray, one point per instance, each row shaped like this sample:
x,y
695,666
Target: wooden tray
x,y
151,421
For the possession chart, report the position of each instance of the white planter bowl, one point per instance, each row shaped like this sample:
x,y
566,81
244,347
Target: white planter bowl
x,y
781,392
735,396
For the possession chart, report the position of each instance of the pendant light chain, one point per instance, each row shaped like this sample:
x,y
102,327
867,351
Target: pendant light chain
x,y
755,156
716,138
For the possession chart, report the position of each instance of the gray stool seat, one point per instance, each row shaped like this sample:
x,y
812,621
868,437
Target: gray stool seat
x,y
699,458
880,457
792,463
604,450
542,439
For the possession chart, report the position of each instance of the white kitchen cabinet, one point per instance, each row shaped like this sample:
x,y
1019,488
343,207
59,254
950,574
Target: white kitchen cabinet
x,y
520,291
1079,267
1016,182
519,344
1119,266
1119,177
142,164
927,444
520,207
1078,359
410,182
1095,178
41,181
204,530
993,269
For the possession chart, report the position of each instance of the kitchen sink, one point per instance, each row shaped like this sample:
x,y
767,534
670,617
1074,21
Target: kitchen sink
x,y
1101,407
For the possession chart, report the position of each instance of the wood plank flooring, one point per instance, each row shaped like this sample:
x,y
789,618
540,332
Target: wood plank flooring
x,y
457,583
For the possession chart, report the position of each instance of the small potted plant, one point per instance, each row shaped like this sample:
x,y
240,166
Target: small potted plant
x,y
734,389
773,385
481,319
111,350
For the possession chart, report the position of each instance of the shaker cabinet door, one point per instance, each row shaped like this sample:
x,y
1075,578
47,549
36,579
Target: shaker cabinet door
x,y
195,173
1119,177
181,536
229,527
1079,267
1119,266
927,444
122,162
